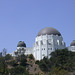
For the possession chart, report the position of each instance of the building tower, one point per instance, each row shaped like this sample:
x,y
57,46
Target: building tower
x,y
48,40
72,46
21,48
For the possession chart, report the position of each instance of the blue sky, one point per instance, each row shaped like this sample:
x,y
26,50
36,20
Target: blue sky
x,y
21,20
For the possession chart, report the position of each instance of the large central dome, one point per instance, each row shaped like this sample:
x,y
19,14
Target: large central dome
x,y
49,31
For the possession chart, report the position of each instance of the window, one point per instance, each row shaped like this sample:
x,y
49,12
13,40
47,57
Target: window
x,y
36,43
58,42
49,42
49,48
41,42
63,43
43,54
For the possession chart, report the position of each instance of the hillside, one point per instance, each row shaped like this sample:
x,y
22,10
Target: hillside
x,y
62,62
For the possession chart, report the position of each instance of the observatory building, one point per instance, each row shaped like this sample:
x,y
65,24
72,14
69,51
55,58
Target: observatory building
x,y
22,49
72,46
47,40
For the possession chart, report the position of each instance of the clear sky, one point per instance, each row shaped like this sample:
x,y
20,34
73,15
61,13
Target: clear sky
x,y
21,20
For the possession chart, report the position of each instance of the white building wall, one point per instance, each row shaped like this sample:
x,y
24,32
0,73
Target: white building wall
x,y
71,48
22,50
45,44
28,51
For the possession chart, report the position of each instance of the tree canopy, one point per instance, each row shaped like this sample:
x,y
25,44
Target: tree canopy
x,y
61,60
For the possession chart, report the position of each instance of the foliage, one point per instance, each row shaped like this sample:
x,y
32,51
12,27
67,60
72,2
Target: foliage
x,y
58,71
3,67
19,58
8,57
23,60
13,63
19,70
64,59
18,65
44,64
31,56
61,61
37,62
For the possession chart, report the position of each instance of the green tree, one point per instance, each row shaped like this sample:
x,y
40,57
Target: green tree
x,y
8,57
3,67
31,56
58,71
63,59
22,59
44,64
19,70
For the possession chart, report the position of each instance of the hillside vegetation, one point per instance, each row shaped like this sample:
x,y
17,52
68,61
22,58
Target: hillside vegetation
x,y
62,62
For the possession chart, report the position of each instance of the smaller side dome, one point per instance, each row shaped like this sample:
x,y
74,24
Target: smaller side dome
x,y
21,44
72,43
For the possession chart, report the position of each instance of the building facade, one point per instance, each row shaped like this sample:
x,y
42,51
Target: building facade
x,y
47,40
22,49
72,46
